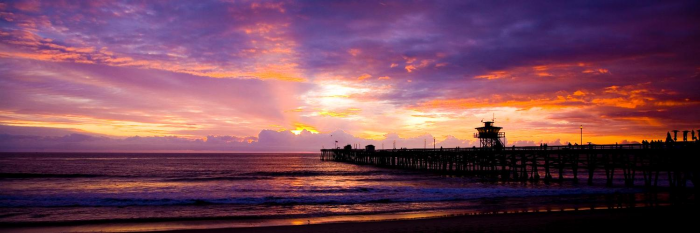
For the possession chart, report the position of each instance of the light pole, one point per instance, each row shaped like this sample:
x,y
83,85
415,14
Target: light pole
x,y
581,135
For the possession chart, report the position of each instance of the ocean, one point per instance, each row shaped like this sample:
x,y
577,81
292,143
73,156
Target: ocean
x,y
256,189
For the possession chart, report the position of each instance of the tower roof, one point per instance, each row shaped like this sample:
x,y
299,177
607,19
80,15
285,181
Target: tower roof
x,y
488,124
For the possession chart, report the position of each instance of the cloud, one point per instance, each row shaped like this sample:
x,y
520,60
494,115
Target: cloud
x,y
266,141
239,46
627,71
109,100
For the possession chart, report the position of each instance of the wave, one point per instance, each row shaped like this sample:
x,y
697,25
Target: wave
x,y
184,178
314,173
221,178
273,175
45,175
327,196
270,200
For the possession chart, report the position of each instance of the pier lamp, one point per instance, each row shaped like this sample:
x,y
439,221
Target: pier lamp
x,y
581,135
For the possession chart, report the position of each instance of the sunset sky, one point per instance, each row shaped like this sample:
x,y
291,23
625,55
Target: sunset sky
x,y
286,75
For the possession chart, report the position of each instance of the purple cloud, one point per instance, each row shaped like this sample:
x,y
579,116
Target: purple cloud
x,y
211,69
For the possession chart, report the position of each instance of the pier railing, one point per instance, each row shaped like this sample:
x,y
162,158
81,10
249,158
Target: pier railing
x,y
525,148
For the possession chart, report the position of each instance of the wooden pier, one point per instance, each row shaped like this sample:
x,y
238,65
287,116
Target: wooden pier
x,y
678,162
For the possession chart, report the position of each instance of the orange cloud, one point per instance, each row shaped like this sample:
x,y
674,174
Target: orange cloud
x,y
493,75
629,96
364,76
595,71
410,68
471,103
643,120
354,52
299,127
341,114
556,70
579,93
619,102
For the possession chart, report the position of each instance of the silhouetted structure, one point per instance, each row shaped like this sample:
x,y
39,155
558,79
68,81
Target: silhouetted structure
x,y
675,135
490,136
679,161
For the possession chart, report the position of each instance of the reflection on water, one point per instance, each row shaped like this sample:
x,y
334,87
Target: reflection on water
x,y
106,192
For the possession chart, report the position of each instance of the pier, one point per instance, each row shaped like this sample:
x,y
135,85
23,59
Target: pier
x,y
675,161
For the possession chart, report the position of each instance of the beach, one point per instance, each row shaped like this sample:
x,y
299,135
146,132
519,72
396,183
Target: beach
x,y
644,219
661,219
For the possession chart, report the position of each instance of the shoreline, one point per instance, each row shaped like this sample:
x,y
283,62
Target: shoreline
x,y
666,219
437,221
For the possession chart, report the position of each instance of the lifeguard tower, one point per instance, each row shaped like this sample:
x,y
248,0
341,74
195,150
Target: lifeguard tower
x,y
490,136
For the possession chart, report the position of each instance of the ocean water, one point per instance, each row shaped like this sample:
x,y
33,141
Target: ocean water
x,y
52,188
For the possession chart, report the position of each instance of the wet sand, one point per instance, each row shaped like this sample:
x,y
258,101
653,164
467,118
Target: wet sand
x,y
656,219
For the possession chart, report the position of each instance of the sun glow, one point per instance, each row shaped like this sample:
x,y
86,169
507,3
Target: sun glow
x,y
301,127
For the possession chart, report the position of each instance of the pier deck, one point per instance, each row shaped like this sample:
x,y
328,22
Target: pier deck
x,y
678,161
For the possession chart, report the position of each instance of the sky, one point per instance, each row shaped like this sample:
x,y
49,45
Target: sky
x,y
299,75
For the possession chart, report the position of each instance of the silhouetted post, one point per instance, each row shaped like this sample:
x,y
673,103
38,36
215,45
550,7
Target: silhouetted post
x,y
535,173
574,165
591,166
560,164
675,135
